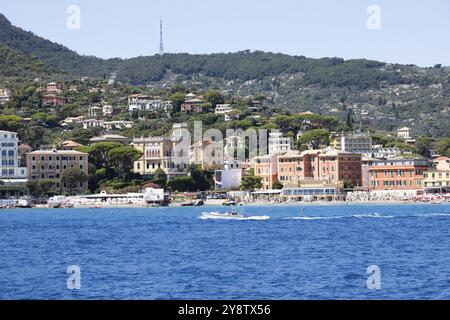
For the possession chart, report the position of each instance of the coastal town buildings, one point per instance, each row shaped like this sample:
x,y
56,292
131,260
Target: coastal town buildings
x,y
54,100
405,134
193,104
208,154
222,109
70,145
398,174
54,87
266,168
73,121
357,142
50,165
382,153
107,110
159,153
228,178
5,95
108,125
139,102
437,178
110,138
279,144
94,111
10,159
296,169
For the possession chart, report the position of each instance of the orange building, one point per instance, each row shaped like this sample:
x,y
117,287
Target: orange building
x,y
266,168
321,165
398,174
54,100
295,169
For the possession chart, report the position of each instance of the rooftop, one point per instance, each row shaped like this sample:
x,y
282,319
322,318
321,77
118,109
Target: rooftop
x,y
54,151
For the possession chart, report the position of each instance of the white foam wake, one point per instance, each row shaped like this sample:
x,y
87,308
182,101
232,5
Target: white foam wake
x,y
239,219
359,216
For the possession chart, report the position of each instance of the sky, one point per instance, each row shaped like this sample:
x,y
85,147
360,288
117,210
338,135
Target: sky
x,y
398,31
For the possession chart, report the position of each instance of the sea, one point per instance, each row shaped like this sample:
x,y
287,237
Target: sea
x,y
276,252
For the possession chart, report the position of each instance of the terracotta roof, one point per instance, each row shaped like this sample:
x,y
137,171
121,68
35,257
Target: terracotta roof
x,y
71,143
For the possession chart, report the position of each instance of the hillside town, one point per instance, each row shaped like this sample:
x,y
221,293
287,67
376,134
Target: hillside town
x,y
116,149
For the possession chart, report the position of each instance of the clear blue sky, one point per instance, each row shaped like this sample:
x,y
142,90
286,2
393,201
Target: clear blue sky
x,y
414,32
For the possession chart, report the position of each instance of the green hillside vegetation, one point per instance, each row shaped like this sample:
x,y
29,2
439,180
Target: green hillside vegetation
x,y
376,95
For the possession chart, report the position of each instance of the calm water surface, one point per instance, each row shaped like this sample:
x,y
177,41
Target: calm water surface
x,y
320,252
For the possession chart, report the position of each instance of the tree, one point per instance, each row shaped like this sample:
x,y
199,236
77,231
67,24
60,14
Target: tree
x,y
45,186
251,182
348,184
72,177
443,147
177,100
182,184
423,146
40,188
33,188
349,121
160,177
277,185
122,159
201,183
214,97
313,139
10,123
99,153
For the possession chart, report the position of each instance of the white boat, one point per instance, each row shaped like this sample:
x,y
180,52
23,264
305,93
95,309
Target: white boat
x,y
227,215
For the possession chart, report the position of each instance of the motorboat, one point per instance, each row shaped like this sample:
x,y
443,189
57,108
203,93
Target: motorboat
x,y
230,215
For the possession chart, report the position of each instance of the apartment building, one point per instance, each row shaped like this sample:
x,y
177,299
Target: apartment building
x,y
279,144
357,142
10,161
266,168
437,178
50,165
297,169
398,174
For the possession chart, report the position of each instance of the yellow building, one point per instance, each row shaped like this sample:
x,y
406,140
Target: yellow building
x,y
437,179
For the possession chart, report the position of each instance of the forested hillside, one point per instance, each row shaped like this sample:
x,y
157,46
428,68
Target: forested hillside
x,y
378,95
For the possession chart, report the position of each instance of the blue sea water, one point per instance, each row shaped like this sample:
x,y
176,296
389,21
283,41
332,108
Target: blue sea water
x,y
318,252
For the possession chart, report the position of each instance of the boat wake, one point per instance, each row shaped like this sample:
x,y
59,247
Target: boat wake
x,y
432,214
358,216
238,219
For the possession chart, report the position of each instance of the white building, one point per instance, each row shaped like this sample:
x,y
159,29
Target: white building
x,y
357,142
138,102
179,130
228,179
379,152
222,109
10,157
108,125
118,125
279,144
107,110
73,121
5,95
93,123
94,111
404,133
155,105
